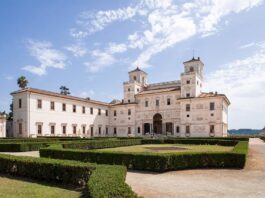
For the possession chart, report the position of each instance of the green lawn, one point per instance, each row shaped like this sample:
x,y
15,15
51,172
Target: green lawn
x,y
11,187
168,148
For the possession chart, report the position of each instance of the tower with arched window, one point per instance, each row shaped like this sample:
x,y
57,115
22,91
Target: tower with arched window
x,y
192,78
137,81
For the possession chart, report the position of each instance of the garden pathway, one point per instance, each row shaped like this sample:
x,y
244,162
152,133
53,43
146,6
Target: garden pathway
x,y
249,182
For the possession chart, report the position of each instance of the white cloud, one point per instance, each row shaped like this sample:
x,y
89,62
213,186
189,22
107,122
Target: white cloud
x,y
77,49
247,45
166,24
86,94
214,11
116,48
78,34
46,55
243,81
9,78
93,22
100,61
166,31
253,44
171,24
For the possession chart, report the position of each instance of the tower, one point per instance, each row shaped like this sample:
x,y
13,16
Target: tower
x,y
192,78
137,80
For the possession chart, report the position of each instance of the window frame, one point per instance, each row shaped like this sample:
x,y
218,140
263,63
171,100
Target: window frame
x,y
19,103
39,104
52,105
64,107
52,129
212,106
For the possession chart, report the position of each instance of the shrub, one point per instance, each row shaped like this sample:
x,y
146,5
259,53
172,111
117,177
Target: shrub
x,y
21,147
109,181
156,162
97,144
62,171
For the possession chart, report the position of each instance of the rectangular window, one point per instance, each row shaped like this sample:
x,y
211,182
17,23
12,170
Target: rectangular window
x,y
83,110
39,104
115,113
64,129
20,103
107,130
115,131
107,112
139,130
99,111
74,108
187,107
187,95
84,129
157,103
129,112
129,101
39,126
64,107
92,131
52,106
169,127
99,130
211,106
188,82
188,129
168,101
129,130
91,110
74,129
20,128
52,129
211,128
177,129
146,103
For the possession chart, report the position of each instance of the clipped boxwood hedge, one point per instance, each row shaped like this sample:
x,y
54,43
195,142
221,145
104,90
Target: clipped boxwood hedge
x,y
109,181
61,171
21,147
97,144
221,142
157,161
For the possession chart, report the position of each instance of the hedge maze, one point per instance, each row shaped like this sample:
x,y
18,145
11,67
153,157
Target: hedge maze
x,y
80,162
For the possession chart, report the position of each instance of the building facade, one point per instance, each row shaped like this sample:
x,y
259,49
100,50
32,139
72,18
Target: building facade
x,y
175,108
2,125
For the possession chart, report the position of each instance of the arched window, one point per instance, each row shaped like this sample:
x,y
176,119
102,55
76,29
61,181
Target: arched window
x,y
191,69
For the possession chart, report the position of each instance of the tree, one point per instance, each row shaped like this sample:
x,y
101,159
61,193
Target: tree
x,y
22,82
10,114
64,90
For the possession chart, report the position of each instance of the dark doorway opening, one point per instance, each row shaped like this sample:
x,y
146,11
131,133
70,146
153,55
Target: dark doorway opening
x,y
147,128
157,123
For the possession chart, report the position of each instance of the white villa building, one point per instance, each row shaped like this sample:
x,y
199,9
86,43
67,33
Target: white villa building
x,y
175,108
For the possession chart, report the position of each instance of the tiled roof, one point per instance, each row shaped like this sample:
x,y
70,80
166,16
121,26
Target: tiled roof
x,y
192,60
137,69
49,93
208,95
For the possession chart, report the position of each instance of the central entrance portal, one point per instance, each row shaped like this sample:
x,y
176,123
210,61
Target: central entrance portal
x,y
157,123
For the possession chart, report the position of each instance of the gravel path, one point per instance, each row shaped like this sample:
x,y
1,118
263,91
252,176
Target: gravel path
x,y
29,153
249,182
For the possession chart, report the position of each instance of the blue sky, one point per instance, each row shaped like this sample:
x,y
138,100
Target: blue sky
x,y
89,46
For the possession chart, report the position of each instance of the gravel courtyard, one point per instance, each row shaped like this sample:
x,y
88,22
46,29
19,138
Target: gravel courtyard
x,y
249,182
